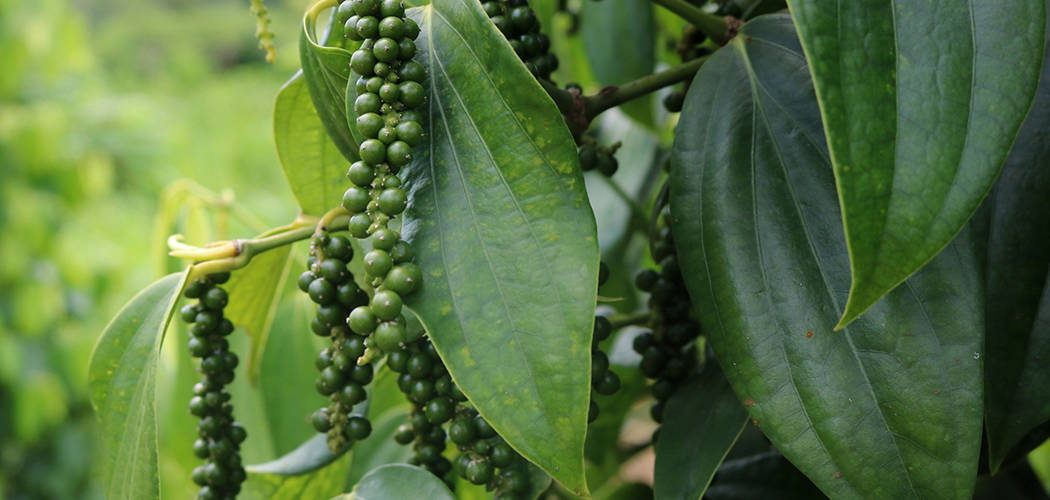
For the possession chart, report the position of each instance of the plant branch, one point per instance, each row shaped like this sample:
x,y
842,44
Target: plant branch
x,y
580,110
611,97
234,254
628,320
719,29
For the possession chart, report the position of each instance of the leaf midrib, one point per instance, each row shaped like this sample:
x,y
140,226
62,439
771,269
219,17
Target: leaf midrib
x,y
503,300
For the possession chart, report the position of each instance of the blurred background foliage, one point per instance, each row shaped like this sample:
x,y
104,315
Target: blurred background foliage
x,y
102,106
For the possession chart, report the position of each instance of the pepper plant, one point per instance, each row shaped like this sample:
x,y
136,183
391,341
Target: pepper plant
x,y
792,249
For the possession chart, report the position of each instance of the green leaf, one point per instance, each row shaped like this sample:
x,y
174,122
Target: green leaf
x,y
1017,276
398,481
921,102
122,381
311,471
756,224
326,71
308,457
315,169
503,232
702,420
619,37
254,291
288,369
767,475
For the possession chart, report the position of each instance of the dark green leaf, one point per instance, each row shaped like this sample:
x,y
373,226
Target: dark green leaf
x,y
768,475
619,37
1017,274
398,481
701,422
315,169
326,71
122,381
757,227
503,232
921,102
311,471
253,292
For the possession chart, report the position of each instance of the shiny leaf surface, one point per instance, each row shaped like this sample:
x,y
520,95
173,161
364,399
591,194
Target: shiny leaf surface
x,y
921,101
503,232
759,241
326,70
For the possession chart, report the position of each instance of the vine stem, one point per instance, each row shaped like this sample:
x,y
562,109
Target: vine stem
x,y
580,110
611,97
719,29
641,318
235,254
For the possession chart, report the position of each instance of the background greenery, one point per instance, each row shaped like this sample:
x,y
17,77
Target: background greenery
x,y
104,105
106,108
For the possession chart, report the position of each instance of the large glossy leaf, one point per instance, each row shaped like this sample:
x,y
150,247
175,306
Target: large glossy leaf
x,y
326,70
122,383
701,422
921,101
503,232
619,37
1017,378
313,165
398,481
311,471
253,292
767,475
757,228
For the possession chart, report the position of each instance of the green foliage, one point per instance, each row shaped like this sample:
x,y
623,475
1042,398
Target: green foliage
x,y
489,176
776,290
917,131
725,256
704,419
1017,270
122,379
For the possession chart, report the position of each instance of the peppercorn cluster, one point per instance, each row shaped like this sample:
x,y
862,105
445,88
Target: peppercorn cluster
x,y
342,377
389,88
596,156
436,402
667,354
689,47
603,380
518,23
220,437
427,385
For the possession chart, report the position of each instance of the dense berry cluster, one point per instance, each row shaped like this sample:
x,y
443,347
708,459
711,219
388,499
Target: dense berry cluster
x,y
342,379
594,156
667,354
519,24
220,437
603,380
425,382
436,401
389,88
